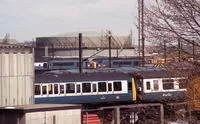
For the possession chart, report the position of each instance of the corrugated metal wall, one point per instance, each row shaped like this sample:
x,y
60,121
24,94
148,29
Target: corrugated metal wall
x,y
16,78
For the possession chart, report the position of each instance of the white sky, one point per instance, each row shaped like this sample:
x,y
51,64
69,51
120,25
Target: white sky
x,y
28,19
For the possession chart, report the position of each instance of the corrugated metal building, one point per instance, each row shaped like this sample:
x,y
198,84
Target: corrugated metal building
x,y
41,114
16,75
90,39
93,44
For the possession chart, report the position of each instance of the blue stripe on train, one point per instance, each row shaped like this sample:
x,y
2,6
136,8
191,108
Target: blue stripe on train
x,y
164,96
85,99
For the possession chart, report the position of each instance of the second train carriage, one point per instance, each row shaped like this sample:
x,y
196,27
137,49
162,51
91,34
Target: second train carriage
x,y
160,86
84,88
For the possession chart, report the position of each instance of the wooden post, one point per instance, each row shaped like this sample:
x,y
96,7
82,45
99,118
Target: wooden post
x,y
161,114
117,115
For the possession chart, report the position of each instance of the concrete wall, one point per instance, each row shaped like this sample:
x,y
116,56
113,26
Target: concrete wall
x,y
54,117
16,77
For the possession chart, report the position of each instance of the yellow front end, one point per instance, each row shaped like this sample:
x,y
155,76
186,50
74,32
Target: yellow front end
x,y
133,90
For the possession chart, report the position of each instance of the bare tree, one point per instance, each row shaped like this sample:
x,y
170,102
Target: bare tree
x,y
170,20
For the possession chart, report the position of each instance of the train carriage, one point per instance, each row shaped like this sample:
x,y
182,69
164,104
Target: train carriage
x,y
109,87
84,88
160,86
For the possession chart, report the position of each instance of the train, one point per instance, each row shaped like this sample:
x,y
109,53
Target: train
x,y
109,87
103,62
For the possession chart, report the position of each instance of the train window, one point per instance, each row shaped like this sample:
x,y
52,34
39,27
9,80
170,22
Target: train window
x,y
182,83
116,63
50,89
86,87
94,88
155,85
126,63
55,88
68,64
77,64
44,90
109,86
70,88
117,86
57,64
136,63
102,86
168,84
62,88
148,85
37,90
45,66
78,88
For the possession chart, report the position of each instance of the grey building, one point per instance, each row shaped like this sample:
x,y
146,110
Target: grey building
x,y
93,44
16,75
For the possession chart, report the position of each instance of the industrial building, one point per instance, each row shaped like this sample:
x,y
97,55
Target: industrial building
x,y
16,75
94,44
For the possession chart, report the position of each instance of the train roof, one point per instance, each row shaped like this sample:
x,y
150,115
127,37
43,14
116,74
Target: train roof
x,y
74,77
159,74
127,70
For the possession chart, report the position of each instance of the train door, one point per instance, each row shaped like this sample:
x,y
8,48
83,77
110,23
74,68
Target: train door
x,y
62,88
138,80
44,90
110,87
78,88
50,89
94,87
56,89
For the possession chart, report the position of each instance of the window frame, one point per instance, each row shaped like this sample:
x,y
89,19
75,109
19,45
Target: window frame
x,y
167,82
105,86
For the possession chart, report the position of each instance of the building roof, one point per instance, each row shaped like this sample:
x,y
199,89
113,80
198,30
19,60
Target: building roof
x,y
84,33
39,107
6,45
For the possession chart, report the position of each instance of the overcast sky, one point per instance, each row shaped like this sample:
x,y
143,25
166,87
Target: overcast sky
x,y
28,19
